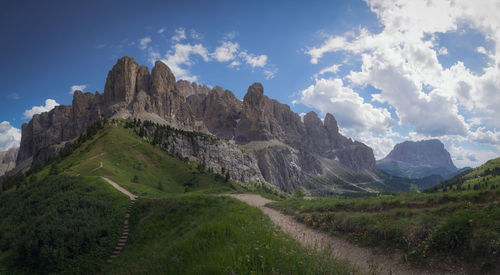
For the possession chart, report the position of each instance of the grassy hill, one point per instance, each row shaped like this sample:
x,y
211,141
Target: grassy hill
x,y
486,176
63,217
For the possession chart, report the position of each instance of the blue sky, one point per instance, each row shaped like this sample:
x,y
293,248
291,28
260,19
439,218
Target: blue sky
x,y
387,72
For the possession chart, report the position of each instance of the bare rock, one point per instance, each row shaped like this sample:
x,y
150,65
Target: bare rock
x,y
8,160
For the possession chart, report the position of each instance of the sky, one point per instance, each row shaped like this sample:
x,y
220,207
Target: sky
x,y
388,70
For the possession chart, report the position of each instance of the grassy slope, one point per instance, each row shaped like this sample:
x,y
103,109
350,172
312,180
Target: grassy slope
x,y
59,223
195,234
461,224
484,176
174,231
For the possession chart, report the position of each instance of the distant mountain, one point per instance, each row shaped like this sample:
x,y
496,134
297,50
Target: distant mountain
x,y
418,159
264,140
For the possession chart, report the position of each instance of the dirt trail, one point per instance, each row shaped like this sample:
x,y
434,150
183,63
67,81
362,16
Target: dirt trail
x,y
99,167
368,260
121,189
123,239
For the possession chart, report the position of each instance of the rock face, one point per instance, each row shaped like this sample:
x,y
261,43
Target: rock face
x,y
8,160
418,159
279,147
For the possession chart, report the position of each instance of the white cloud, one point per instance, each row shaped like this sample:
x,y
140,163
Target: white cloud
x,y
179,60
253,60
481,49
463,156
143,42
481,135
443,51
14,96
332,69
161,30
350,110
231,35
77,88
180,34
226,51
49,105
402,59
10,136
235,63
331,45
181,55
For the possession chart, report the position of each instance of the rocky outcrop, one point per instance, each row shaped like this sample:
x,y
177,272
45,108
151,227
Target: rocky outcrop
x,y
418,159
187,88
219,111
266,119
130,91
278,147
8,160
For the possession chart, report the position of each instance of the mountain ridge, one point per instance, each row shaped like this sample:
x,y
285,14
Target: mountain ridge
x,y
302,151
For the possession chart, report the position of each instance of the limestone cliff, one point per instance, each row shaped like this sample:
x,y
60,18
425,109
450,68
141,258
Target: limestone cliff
x,y
277,146
8,160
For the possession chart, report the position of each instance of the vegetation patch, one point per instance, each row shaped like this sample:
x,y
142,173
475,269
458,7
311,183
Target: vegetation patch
x,y
61,223
194,234
461,224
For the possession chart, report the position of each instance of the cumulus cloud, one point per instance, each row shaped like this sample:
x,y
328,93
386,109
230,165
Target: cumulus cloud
x,y
161,30
184,53
49,105
463,155
10,136
143,42
226,51
350,109
402,62
180,34
254,60
179,60
77,88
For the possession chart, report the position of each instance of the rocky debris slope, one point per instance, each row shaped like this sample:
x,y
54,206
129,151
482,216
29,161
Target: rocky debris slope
x,y
285,151
418,159
8,160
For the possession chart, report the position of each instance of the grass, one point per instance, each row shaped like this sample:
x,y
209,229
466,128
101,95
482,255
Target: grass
x,y
194,234
60,223
177,225
461,224
125,156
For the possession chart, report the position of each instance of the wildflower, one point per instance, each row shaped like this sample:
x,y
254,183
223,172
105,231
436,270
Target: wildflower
x,y
304,232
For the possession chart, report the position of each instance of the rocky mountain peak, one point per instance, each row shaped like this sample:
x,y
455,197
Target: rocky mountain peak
x,y
163,80
254,94
331,124
424,152
311,119
121,81
417,159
